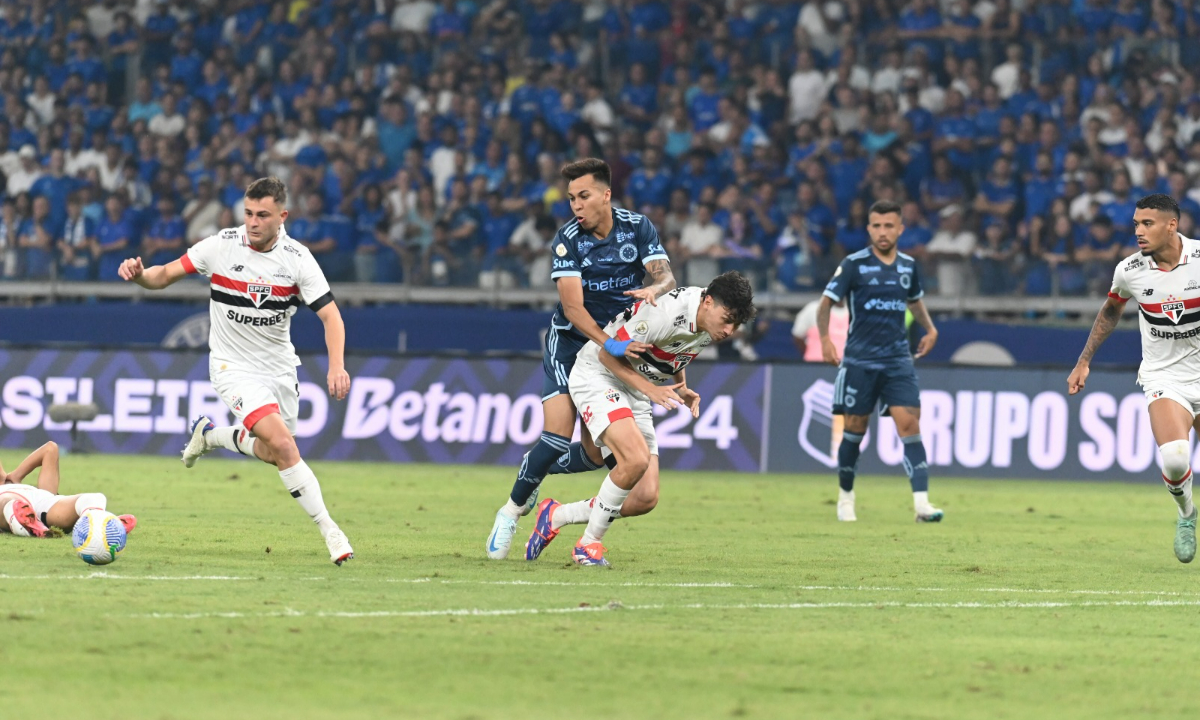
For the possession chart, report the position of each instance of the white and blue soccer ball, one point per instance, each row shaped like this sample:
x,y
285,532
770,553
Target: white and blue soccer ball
x,y
98,537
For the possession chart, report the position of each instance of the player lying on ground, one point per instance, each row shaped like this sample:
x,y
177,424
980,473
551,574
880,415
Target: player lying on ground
x,y
259,277
879,284
1163,279
616,397
30,511
599,258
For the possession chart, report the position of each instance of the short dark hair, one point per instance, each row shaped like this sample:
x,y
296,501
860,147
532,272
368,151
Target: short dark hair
x,y
268,187
595,167
732,291
1159,201
884,207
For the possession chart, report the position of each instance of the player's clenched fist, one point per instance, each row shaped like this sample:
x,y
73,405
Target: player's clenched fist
x,y
339,383
131,269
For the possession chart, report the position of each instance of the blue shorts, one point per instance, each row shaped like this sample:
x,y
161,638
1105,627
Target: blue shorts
x,y
562,345
857,389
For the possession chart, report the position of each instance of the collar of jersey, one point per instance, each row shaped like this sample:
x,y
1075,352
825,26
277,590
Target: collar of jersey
x,y
1183,253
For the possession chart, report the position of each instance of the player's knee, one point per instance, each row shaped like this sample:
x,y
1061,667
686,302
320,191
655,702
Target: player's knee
x,y
51,447
283,447
90,501
1176,460
636,463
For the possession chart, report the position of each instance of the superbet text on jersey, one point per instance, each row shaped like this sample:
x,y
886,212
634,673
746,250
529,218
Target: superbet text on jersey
x,y
254,295
1169,313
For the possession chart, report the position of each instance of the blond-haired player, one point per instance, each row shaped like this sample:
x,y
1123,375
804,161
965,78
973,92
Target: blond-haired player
x,y
259,277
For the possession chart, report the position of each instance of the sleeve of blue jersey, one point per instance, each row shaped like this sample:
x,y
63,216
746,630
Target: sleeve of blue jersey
x,y
562,255
651,246
835,289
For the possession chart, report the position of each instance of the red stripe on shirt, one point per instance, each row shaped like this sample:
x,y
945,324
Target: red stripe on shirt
x,y
622,334
187,264
284,290
1188,304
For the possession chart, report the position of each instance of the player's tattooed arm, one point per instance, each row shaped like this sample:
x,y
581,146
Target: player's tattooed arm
x,y
1106,321
663,282
921,315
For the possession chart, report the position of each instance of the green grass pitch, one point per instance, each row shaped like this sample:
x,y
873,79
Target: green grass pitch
x,y
740,596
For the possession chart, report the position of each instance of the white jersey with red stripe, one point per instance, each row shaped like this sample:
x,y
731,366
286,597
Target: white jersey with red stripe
x,y
670,327
1169,313
254,295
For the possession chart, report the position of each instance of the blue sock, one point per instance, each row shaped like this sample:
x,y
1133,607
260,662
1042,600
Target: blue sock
x,y
574,461
915,464
549,448
848,459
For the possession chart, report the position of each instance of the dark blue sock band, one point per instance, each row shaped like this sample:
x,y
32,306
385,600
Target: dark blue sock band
x,y
549,448
915,463
848,459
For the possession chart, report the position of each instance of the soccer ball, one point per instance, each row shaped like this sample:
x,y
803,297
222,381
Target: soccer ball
x,y
98,537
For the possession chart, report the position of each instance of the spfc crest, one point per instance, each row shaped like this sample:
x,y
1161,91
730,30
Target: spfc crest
x,y
259,294
1173,309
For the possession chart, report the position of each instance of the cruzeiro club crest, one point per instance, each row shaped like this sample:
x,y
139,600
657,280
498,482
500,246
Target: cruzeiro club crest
x,y
1173,308
258,293
628,253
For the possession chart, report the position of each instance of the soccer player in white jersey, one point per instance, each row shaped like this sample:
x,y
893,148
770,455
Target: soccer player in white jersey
x,y
615,397
30,511
1163,279
259,277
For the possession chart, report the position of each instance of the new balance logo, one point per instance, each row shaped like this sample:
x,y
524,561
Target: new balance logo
x,y
238,268
1148,292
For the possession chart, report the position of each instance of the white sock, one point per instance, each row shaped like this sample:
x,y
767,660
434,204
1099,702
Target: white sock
x,y
921,500
848,495
606,509
575,513
235,438
302,484
1177,473
512,510
90,501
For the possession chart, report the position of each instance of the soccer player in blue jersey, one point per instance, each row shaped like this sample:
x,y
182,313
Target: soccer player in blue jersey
x,y
601,259
879,284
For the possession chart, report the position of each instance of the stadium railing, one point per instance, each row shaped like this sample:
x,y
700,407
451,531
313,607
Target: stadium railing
x,y
370,293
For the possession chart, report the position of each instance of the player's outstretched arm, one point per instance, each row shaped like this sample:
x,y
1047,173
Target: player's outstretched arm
x,y
156,277
659,394
1106,321
46,458
664,282
921,315
335,342
570,294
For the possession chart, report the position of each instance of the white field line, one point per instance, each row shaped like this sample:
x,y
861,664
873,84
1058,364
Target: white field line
x,y
617,607
101,575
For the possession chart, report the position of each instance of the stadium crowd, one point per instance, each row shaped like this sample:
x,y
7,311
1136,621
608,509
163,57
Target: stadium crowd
x,y
421,141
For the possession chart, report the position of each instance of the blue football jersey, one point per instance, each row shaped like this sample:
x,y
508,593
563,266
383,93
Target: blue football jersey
x,y
877,295
607,267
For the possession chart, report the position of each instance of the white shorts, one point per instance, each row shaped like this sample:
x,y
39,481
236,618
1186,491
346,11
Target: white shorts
x,y
40,500
252,397
602,400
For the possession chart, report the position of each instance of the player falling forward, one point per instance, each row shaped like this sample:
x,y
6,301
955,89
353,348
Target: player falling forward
x,y
259,277
1163,277
30,511
879,284
599,258
615,398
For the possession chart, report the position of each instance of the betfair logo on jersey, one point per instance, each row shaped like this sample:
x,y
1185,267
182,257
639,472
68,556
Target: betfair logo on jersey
x,y
885,305
258,293
611,283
